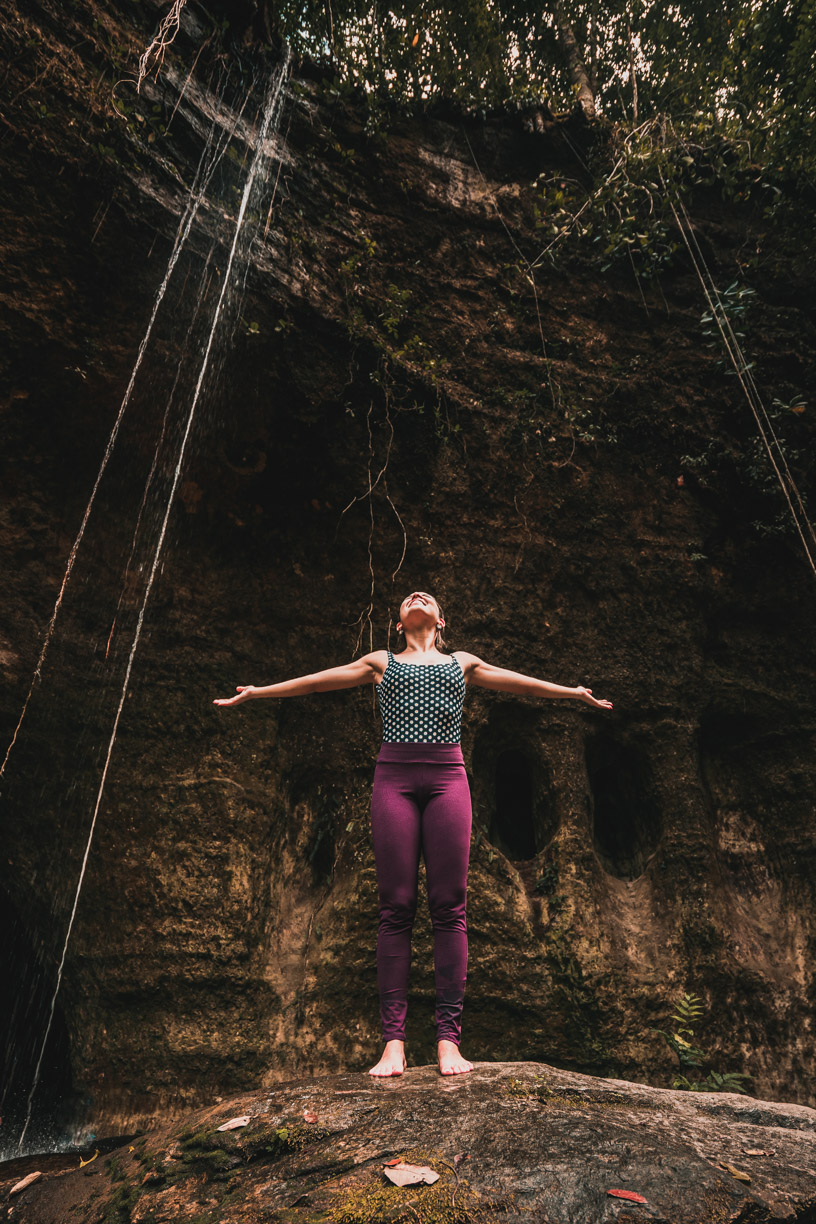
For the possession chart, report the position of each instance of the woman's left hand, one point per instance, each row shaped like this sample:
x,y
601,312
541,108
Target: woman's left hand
x,y
585,694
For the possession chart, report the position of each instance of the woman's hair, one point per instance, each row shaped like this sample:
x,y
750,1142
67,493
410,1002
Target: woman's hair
x,y
439,641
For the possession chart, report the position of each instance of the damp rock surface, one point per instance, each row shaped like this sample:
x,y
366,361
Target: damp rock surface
x,y
510,1141
574,474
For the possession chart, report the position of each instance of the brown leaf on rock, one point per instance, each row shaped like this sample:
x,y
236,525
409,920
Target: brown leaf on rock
x,y
24,1184
628,1194
308,1116
759,1151
410,1175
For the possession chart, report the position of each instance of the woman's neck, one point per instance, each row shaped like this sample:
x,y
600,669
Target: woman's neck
x,y
421,642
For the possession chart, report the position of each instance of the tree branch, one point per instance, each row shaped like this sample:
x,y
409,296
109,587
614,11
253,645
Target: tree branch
x,y
578,69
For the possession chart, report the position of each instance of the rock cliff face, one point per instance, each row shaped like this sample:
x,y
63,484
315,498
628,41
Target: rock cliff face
x,y
396,402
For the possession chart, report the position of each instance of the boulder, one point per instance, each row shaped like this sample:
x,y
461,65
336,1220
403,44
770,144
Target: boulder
x,y
510,1141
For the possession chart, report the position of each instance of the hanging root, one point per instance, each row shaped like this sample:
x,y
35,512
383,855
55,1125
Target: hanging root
x,y
365,616
742,368
153,57
365,620
527,270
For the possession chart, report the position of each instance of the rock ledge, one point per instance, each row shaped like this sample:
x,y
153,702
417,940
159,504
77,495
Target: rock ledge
x,y
510,1141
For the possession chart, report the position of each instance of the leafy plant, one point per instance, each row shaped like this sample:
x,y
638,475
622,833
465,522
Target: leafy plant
x,y
547,881
729,312
680,1040
396,310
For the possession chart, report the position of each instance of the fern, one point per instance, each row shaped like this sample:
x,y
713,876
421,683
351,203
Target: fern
x,y
687,1011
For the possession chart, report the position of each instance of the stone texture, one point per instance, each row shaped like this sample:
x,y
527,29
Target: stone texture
x,y
539,1144
225,933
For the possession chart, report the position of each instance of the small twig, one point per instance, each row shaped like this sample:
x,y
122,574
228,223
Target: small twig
x,y
101,220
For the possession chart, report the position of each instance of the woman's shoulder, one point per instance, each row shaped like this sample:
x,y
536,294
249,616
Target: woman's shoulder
x,y
378,659
466,661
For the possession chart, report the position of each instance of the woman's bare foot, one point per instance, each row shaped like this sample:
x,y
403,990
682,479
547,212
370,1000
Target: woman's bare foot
x,y
451,1061
392,1061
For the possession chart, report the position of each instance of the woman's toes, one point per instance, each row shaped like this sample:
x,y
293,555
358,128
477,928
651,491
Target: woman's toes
x,y
452,1063
387,1067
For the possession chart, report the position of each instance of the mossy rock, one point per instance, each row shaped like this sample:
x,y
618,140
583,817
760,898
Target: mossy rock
x,y
119,1207
374,1200
561,1098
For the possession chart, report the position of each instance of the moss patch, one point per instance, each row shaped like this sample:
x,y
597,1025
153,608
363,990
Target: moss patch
x,y
449,1201
562,1098
120,1205
216,1153
267,1141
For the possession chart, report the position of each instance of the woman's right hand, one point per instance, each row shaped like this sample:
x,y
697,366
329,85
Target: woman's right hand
x,y
585,694
244,691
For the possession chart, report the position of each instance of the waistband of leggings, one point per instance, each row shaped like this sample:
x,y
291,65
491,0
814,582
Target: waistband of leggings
x,y
421,754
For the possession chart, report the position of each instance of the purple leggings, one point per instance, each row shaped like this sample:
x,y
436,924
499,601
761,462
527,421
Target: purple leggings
x,y
421,803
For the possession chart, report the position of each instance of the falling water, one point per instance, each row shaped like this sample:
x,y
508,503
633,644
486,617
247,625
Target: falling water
x,y
165,420
201,182
216,139
271,117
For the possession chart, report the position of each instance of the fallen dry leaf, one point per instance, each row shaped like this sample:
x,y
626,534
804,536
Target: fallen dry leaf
x,y
738,1173
234,1123
389,1164
459,1157
25,1183
308,1116
759,1152
410,1175
628,1194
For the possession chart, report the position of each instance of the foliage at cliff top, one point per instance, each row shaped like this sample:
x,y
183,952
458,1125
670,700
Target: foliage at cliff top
x,y
744,61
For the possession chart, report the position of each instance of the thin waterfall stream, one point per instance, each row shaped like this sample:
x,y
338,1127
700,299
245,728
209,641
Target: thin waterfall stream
x,y
228,299
204,172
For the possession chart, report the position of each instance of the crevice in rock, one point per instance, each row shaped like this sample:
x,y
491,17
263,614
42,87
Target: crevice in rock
x,y
513,785
627,823
513,824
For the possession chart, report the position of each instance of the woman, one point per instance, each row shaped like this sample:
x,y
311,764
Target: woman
x,y
420,803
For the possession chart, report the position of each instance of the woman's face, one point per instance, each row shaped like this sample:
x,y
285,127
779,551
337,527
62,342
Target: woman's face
x,y
418,607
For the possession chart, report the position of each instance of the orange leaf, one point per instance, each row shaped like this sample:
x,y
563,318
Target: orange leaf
x,y
628,1194
738,1173
415,40
308,1116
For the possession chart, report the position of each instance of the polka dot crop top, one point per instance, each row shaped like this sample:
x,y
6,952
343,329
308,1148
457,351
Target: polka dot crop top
x,y
421,703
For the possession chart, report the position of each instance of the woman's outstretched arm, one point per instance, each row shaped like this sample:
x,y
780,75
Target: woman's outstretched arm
x,y
485,675
362,671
